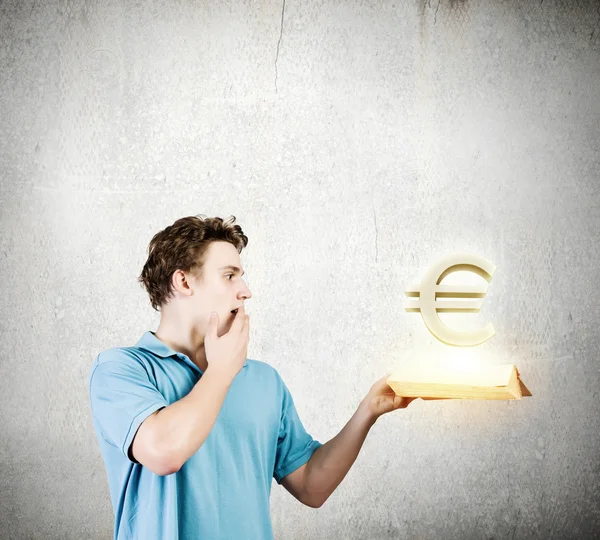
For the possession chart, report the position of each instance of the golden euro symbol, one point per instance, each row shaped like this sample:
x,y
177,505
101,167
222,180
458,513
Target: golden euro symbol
x,y
431,289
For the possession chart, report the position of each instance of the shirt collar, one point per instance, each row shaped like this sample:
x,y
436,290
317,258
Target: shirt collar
x,y
151,343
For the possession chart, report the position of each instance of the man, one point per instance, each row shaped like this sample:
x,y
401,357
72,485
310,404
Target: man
x,y
191,431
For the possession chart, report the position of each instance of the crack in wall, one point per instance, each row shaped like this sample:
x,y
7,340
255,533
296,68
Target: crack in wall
x,y
278,42
516,523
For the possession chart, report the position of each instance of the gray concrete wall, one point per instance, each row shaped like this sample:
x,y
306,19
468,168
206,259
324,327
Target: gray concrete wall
x,y
356,143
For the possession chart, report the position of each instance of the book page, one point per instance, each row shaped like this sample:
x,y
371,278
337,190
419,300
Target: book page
x,y
495,375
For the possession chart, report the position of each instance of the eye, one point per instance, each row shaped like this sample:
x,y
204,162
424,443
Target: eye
x,y
229,275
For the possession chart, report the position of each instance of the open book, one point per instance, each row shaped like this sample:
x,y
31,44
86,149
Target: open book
x,y
491,382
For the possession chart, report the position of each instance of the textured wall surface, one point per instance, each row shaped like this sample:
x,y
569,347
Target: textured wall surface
x,y
356,143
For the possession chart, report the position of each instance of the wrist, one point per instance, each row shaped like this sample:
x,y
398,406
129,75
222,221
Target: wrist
x,y
222,375
365,413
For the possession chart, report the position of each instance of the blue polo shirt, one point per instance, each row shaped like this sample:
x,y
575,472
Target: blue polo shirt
x,y
222,491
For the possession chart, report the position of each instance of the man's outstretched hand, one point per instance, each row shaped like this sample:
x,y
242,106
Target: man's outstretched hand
x,y
382,399
330,463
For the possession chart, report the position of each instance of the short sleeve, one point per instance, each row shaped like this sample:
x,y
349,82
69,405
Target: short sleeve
x,y
122,396
294,445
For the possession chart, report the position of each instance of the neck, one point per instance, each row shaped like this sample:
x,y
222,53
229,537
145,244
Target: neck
x,y
182,338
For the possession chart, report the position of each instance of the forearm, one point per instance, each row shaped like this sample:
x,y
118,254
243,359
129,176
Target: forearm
x,y
183,426
331,462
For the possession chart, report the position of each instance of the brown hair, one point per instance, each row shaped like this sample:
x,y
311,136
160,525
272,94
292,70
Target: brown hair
x,y
182,246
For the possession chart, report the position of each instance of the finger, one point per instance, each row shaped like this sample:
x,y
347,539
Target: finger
x,y
238,321
404,401
213,325
381,384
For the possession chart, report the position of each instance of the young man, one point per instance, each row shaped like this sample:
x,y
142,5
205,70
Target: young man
x,y
191,431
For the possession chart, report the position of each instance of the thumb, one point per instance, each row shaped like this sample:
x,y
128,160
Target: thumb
x,y
381,384
384,382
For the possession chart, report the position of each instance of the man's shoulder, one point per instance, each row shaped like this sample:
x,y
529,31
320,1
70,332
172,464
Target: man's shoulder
x,y
263,369
120,354
118,358
260,365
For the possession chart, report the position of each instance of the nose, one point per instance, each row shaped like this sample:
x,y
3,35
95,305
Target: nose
x,y
245,292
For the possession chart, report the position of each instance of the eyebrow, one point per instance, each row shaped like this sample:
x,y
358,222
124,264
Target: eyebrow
x,y
231,267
